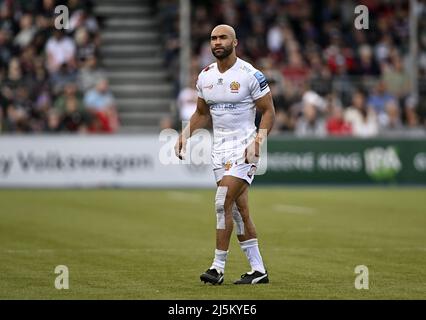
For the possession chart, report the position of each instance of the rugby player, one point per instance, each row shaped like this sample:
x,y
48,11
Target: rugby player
x,y
229,91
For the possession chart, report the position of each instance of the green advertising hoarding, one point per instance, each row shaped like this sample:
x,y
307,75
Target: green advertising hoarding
x,y
345,160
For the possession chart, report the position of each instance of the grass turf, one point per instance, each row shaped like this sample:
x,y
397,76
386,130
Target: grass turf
x,y
153,244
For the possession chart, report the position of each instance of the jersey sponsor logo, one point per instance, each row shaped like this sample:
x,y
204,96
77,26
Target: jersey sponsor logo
x,y
262,80
235,86
223,106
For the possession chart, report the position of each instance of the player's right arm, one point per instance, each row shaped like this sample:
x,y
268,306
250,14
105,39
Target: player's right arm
x,y
200,119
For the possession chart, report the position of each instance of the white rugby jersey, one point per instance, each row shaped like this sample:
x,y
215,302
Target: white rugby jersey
x,y
230,96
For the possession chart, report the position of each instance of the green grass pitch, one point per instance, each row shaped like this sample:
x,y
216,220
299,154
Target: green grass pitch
x,y
153,244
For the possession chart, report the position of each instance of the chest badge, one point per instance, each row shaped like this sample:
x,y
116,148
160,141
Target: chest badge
x,y
235,86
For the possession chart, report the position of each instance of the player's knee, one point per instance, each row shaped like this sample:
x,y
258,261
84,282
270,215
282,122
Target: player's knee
x,y
220,199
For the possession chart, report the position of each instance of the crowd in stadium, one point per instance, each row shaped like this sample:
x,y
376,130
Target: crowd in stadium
x,y
327,77
49,77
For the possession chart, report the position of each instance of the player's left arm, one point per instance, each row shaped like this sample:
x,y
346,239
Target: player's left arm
x,y
265,105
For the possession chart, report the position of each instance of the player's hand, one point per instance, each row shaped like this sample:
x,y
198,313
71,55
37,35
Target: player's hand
x,y
252,152
180,147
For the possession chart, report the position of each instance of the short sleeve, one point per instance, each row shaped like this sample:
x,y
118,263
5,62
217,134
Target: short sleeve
x,y
198,86
258,85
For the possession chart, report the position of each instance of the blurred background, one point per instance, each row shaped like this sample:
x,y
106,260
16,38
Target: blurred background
x,y
129,67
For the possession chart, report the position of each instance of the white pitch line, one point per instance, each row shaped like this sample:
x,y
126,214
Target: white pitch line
x,y
84,250
163,250
294,209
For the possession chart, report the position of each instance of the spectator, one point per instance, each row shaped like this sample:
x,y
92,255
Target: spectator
x,y
85,46
5,48
47,9
81,19
187,101
42,104
69,92
411,116
312,98
60,50
62,77
206,58
282,106
17,120
7,21
378,100
310,124
295,72
27,31
362,119
275,37
75,118
338,57
320,79
396,79
392,121
366,64
90,74
383,48
336,124
53,122
101,104
27,61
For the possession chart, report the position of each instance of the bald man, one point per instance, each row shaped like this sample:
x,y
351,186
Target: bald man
x,y
229,92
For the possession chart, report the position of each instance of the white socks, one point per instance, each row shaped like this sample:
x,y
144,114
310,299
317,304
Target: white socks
x,y
219,260
251,249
